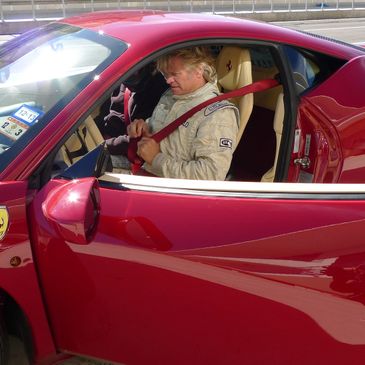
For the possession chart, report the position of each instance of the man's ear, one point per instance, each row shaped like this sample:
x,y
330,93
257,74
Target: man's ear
x,y
200,71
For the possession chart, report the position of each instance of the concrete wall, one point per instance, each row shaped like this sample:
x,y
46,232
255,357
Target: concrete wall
x,y
10,27
17,27
306,15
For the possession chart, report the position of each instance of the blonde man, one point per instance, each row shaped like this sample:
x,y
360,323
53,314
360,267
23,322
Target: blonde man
x,y
202,147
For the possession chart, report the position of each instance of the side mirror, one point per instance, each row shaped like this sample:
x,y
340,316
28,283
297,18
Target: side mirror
x,y
73,209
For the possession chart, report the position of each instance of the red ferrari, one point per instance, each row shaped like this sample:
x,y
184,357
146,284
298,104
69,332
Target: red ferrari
x,y
265,267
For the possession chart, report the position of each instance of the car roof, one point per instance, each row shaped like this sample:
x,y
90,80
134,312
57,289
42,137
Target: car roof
x,y
161,27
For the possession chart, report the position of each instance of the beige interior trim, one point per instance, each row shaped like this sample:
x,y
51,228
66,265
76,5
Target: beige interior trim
x,y
278,128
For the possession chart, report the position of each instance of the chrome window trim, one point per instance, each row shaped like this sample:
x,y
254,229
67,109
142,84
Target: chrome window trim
x,y
237,188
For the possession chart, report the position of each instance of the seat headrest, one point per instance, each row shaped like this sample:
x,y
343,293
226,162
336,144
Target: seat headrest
x,y
234,68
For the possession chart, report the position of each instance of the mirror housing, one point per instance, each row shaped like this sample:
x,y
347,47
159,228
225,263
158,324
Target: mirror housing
x,y
73,209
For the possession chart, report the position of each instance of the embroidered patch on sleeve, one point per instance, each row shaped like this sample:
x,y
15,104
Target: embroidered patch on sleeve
x,y
225,142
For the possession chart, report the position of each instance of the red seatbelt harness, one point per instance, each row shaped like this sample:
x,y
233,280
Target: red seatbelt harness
x,y
257,86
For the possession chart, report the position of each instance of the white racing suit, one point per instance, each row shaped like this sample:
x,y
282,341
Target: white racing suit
x,y
202,147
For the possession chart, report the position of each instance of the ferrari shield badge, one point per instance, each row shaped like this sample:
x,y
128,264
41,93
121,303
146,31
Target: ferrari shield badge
x,y
4,221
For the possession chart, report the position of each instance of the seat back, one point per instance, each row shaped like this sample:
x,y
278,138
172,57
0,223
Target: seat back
x,y
278,128
234,70
83,140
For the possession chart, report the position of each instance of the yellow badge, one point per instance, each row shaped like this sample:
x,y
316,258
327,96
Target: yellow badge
x,y
4,221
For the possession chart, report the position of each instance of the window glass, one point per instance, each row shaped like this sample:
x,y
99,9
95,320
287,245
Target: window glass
x,y
304,69
42,70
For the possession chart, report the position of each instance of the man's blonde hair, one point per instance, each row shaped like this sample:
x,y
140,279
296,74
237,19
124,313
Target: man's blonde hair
x,y
192,58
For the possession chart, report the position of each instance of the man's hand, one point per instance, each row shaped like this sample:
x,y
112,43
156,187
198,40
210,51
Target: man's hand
x,y
148,148
138,128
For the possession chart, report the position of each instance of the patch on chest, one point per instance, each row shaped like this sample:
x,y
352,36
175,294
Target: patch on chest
x,y
225,142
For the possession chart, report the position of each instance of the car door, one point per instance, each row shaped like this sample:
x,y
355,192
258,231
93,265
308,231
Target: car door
x,y
328,139
140,270
18,272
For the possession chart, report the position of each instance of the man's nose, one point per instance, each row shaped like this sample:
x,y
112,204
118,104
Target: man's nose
x,y
169,80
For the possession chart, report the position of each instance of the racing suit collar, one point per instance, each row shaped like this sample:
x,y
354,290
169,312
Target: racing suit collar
x,y
198,92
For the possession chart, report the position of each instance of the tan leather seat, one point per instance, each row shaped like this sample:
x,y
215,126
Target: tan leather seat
x,y
234,70
85,139
278,128
91,133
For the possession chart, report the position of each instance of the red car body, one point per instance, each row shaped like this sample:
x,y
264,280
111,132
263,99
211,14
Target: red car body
x,y
145,270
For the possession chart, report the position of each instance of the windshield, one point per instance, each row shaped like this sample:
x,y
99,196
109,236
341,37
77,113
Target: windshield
x,y
44,69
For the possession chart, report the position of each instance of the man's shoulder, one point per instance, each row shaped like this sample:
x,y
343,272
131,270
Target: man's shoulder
x,y
219,105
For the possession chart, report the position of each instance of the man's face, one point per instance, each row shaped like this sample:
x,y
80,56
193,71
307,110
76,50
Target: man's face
x,y
182,79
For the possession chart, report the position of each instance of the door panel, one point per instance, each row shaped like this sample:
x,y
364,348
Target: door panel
x,y
177,278
18,277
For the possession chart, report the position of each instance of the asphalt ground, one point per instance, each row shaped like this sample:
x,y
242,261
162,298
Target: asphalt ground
x,y
347,30
351,30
